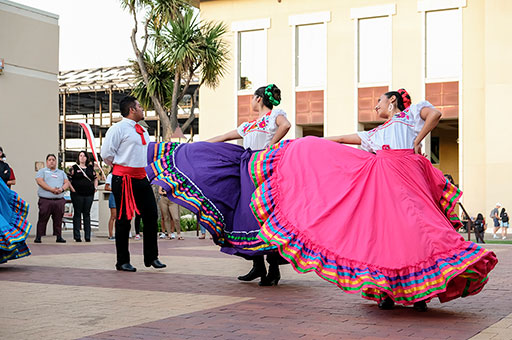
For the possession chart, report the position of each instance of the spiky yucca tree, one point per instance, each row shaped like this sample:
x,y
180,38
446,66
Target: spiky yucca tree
x,y
182,46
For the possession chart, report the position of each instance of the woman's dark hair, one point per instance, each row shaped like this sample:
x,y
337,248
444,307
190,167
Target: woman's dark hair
x,y
403,100
50,155
2,151
502,211
274,91
126,104
87,158
479,217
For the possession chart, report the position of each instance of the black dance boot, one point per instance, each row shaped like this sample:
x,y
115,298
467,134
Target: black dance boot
x,y
258,270
420,306
386,303
273,277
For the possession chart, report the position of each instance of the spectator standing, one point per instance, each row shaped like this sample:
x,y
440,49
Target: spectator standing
x,y
12,179
84,184
52,184
112,207
170,215
496,218
480,227
504,223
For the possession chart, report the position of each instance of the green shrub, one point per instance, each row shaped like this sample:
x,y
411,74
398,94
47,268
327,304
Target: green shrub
x,y
188,224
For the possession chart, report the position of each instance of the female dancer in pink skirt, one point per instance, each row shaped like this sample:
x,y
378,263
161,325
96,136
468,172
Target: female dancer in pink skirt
x,y
380,221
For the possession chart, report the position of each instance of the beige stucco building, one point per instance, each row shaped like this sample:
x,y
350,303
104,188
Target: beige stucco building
x,y
333,58
29,120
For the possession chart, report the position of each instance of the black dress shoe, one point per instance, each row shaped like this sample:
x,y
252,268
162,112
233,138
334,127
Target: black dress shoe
x,y
156,264
60,240
254,274
273,277
37,240
386,303
420,306
126,267
87,240
78,240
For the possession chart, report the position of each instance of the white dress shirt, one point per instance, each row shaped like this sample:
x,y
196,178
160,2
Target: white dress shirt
x,y
123,145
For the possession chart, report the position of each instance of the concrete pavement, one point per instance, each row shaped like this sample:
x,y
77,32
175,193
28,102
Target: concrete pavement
x,y
70,291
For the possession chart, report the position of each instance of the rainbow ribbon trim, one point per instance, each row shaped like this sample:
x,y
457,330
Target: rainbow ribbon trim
x,y
449,198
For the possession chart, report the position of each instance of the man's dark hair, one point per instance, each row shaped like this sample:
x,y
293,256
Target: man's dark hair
x,y
126,104
51,155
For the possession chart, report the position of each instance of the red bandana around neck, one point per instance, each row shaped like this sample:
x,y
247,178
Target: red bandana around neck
x,y
140,131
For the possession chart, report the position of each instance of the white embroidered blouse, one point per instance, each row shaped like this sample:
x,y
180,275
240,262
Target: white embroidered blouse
x,y
257,134
397,133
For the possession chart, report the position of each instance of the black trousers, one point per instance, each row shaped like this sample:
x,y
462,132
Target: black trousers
x,y
145,201
81,207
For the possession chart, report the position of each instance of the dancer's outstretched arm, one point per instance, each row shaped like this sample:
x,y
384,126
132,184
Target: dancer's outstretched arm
x,y
346,139
283,125
431,117
231,135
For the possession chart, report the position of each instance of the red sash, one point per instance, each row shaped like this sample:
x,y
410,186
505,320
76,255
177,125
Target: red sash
x,y
127,199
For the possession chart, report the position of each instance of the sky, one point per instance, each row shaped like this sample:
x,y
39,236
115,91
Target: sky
x,y
93,33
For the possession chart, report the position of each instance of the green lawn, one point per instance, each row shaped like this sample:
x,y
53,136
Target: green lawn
x,y
498,241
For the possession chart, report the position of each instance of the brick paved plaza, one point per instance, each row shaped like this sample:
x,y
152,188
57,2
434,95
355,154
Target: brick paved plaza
x,y
70,291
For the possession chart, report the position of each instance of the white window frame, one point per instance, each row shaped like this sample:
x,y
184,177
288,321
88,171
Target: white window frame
x,y
298,20
425,6
356,14
245,26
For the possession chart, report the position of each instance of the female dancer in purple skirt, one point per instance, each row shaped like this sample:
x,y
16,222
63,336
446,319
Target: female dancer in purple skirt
x,y
218,173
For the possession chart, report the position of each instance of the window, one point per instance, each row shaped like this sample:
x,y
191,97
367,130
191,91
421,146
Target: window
x,y
374,49
443,44
310,56
252,59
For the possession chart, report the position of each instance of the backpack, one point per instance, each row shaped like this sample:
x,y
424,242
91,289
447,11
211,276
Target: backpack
x,y
504,217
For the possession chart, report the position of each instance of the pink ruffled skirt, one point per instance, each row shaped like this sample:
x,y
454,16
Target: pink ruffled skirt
x,y
379,224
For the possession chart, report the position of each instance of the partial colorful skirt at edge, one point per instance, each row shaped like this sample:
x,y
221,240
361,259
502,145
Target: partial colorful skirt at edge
x,y
376,224
14,226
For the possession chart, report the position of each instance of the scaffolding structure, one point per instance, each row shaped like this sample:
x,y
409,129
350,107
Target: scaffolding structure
x,y
92,96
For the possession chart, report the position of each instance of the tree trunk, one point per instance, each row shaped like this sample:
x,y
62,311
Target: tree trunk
x,y
195,104
174,103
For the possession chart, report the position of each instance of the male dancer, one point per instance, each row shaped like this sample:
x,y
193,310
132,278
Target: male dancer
x,y
125,147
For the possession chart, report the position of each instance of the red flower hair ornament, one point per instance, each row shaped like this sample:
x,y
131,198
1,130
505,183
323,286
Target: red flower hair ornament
x,y
405,97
